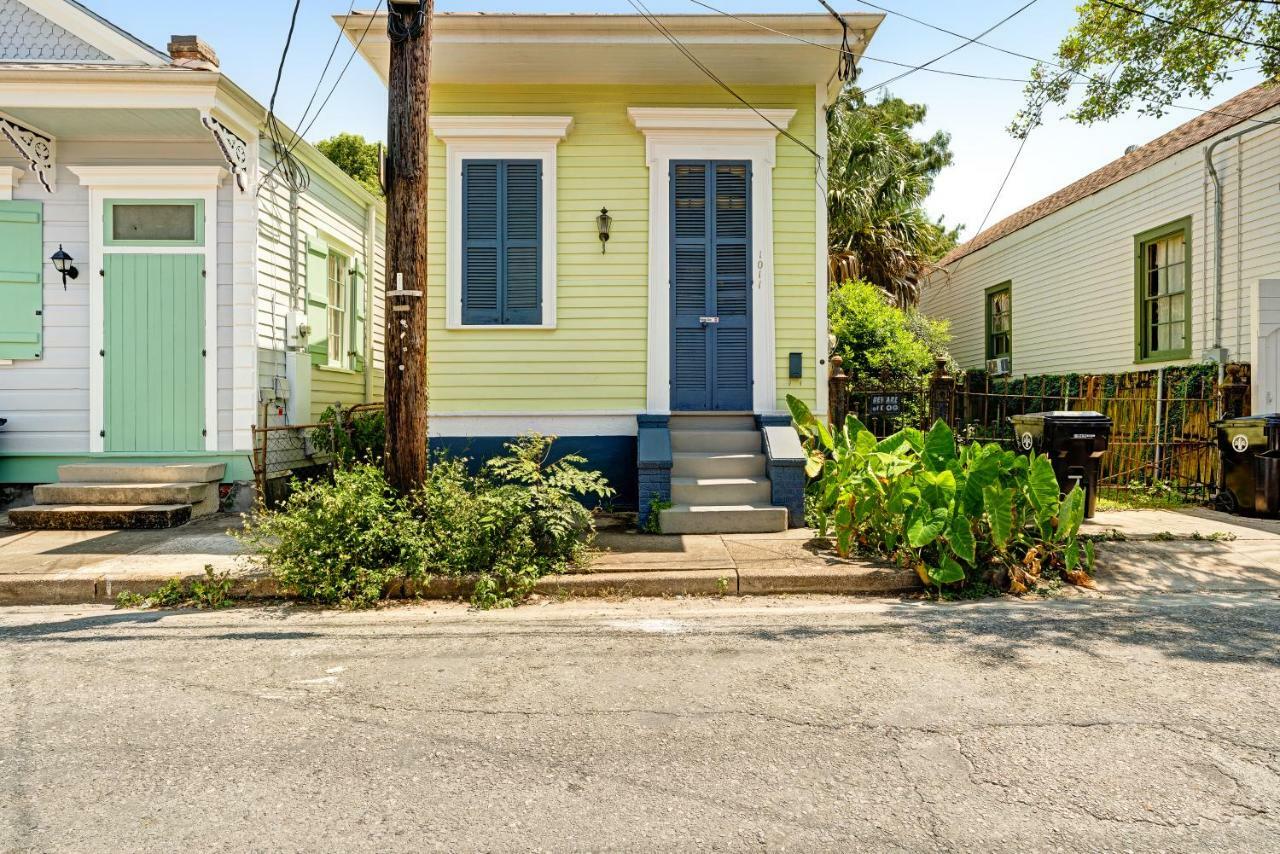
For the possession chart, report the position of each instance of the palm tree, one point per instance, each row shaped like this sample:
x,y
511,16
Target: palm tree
x,y
877,181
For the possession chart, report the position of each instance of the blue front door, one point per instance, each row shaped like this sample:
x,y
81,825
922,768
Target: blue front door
x,y
710,285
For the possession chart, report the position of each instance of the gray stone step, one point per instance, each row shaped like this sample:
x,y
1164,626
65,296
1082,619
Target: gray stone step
x,y
203,497
724,441
713,421
721,490
107,472
701,464
723,519
99,517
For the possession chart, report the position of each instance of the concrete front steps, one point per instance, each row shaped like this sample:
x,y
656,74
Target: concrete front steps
x,y
110,496
718,479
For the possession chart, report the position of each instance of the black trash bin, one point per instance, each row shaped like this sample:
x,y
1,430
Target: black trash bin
x,y
1250,447
1074,443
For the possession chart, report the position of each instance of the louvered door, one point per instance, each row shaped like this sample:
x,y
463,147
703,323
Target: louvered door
x,y
710,286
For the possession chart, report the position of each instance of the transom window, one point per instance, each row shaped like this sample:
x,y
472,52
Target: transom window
x,y
1164,310
339,269
1000,321
153,222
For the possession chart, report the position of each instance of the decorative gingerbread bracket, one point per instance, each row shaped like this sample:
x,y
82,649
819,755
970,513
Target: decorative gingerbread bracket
x,y
38,148
234,149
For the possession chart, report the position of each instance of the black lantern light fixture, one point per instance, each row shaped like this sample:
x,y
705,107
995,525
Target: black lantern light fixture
x,y
62,263
602,226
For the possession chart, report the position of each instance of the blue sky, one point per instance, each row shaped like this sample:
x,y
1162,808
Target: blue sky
x,y
248,36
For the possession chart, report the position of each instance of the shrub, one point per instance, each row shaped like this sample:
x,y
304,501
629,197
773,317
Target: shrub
x,y
980,514
879,342
359,436
339,541
521,518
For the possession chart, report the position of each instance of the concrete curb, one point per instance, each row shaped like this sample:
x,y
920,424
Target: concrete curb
x,y
854,579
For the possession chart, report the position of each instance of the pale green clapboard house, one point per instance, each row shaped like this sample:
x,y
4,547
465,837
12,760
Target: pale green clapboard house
x,y
209,296
664,354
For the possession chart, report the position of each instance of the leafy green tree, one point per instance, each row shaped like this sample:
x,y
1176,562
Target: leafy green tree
x,y
1126,53
878,178
353,155
881,343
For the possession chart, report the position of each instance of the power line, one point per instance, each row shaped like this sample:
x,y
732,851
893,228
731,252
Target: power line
x,y
967,42
1131,10
298,136
829,47
332,50
354,50
976,40
661,28
295,174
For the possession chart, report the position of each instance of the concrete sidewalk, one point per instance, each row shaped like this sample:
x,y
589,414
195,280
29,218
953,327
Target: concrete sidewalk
x,y
1185,551
70,567
1143,551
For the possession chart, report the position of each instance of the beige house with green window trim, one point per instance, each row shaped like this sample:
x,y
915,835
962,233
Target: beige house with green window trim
x,y
209,296
1167,255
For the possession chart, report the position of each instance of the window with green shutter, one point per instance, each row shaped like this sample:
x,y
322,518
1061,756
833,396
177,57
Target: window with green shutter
x,y
357,314
317,269
502,242
1163,302
1000,321
21,279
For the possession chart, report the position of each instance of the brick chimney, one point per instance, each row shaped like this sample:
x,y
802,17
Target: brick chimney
x,y
192,52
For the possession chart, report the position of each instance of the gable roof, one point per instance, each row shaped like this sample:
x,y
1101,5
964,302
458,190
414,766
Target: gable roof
x,y
1223,117
66,31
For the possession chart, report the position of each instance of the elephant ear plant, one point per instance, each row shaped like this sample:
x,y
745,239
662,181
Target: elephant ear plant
x,y
979,513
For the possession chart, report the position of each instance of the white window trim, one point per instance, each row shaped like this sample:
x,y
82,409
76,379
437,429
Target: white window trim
x,y
499,138
10,177
711,134
152,182
344,289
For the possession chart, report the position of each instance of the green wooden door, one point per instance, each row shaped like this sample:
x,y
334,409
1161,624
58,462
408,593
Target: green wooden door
x,y
153,352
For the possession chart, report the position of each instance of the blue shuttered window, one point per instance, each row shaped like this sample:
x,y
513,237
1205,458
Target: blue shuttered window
x,y
502,242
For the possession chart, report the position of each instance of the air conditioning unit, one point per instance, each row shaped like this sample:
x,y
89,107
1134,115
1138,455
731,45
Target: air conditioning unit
x,y
1000,367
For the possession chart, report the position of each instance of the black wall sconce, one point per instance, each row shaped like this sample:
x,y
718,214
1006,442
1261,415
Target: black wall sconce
x,y
603,222
62,263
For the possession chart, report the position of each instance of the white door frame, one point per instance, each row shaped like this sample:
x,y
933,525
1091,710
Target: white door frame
x,y
152,182
710,134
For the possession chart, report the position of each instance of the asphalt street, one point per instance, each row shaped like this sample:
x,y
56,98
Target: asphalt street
x,y
1146,723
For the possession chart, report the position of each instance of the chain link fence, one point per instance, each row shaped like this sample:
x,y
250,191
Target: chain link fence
x,y
285,452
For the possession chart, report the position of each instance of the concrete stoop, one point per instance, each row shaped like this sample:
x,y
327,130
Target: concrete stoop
x,y
718,480
110,496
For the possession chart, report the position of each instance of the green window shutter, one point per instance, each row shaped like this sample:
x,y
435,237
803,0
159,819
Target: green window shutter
x,y
21,283
357,314
318,300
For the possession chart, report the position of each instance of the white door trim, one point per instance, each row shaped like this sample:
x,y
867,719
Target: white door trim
x,y
152,182
710,134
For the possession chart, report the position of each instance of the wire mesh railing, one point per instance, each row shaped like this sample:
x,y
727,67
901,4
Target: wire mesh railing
x,y
283,452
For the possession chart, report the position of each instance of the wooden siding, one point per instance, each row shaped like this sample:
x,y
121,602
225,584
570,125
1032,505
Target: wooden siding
x,y
327,211
595,360
1073,271
46,400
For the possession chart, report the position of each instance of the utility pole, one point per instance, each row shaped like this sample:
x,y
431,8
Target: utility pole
x,y
408,91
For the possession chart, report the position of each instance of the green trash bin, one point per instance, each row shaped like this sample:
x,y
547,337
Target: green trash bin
x,y
1250,449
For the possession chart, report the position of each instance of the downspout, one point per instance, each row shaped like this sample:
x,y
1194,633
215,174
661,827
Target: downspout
x,y
1218,355
370,239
